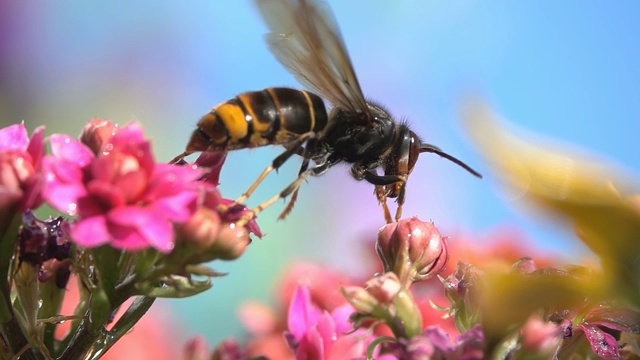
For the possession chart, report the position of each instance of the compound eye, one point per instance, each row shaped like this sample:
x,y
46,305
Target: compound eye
x,y
414,151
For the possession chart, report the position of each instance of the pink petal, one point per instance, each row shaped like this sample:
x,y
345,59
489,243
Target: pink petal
x,y
604,345
14,138
176,208
106,194
9,195
212,162
130,140
167,180
155,229
61,171
326,329
351,346
302,314
33,194
127,238
625,320
64,147
90,232
341,317
36,146
132,185
130,133
311,346
63,197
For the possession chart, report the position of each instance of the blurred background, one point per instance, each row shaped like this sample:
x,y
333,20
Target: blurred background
x,y
568,70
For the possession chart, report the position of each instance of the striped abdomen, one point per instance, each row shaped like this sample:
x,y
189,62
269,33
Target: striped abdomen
x,y
258,118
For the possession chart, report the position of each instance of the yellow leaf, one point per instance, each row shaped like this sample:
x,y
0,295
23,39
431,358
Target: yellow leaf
x,y
594,195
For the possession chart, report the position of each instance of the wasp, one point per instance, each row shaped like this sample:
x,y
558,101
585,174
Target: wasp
x,y
305,39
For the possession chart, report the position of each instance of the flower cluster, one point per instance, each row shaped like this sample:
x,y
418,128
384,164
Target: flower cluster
x,y
133,229
132,226
390,318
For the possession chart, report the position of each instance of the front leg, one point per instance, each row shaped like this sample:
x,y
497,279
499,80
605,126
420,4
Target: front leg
x,y
382,191
381,194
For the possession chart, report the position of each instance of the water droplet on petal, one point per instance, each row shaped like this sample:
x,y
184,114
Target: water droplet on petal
x,y
72,209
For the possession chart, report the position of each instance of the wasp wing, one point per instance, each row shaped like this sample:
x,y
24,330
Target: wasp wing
x,y
305,38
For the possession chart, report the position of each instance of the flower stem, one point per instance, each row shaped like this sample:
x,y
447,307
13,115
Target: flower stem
x,y
12,331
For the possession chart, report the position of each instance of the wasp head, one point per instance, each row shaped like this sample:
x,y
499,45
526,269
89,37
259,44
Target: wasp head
x,y
401,160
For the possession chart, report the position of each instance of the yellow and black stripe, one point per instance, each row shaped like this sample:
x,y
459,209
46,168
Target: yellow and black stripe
x,y
258,118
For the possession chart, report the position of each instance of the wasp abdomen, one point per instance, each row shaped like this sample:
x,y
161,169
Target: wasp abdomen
x,y
258,118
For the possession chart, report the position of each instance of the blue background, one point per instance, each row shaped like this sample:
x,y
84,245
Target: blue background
x,y
567,69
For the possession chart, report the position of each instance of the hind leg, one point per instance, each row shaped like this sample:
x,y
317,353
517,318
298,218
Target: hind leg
x,y
291,189
292,149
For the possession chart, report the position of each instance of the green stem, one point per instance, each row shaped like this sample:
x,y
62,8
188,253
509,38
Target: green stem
x,y
15,337
82,342
12,331
131,317
7,252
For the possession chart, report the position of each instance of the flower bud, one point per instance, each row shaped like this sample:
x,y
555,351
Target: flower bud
x,y
462,289
59,270
227,350
196,349
386,299
539,336
411,248
360,299
202,229
96,133
384,287
232,241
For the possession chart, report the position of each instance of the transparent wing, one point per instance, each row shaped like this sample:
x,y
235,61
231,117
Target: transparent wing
x,y
305,38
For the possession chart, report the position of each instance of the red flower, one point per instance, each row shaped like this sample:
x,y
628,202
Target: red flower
x,y
120,195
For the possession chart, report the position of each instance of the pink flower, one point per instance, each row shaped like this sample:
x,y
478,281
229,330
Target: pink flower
x,y
317,334
20,168
210,163
121,196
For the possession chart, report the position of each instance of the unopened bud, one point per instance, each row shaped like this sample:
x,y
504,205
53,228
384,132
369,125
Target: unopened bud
x,y
232,241
411,248
58,270
540,336
462,289
196,349
227,350
202,229
96,133
360,299
386,299
384,287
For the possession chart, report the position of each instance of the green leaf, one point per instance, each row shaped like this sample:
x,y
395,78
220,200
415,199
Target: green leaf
x,y
175,287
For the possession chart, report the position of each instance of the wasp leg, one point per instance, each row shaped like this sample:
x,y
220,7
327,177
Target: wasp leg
x,y
293,187
382,200
400,201
294,196
309,149
292,149
380,181
176,159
